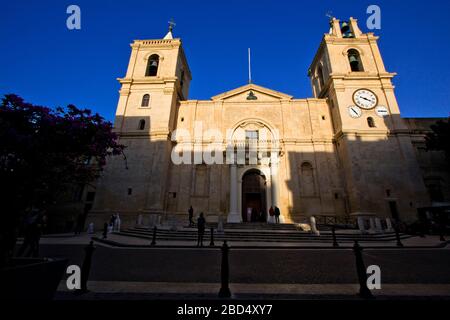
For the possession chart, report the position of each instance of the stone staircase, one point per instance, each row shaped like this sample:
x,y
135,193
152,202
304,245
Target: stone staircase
x,y
258,233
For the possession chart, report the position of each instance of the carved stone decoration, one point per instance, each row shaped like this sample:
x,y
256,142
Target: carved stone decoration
x,y
252,96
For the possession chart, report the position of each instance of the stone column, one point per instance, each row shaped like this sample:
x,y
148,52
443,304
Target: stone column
x,y
378,225
274,189
274,184
372,225
233,216
361,226
389,225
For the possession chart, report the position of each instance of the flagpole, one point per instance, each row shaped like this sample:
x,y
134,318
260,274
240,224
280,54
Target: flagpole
x,y
249,67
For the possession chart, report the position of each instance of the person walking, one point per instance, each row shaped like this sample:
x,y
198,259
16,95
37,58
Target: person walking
x,y
277,215
191,216
201,224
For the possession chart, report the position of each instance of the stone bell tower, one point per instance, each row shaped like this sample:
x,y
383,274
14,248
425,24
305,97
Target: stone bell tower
x,y
371,139
157,79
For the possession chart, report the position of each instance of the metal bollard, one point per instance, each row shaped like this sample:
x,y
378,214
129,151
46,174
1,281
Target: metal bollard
x,y
397,236
333,231
364,292
212,238
86,266
105,230
441,234
154,237
442,224
225,273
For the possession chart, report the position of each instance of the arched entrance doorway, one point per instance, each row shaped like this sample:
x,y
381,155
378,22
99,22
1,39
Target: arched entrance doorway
x,y
254,197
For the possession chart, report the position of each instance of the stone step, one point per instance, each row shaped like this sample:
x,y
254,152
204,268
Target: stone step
x,y
256,236
271,233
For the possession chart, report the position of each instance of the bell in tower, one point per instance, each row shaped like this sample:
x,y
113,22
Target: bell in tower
x,y
346,30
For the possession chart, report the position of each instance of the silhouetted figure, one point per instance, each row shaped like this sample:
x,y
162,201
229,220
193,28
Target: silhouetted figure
x,y
201,224
32,234
112,220
191,216
79,225
105,230
277,214
254,215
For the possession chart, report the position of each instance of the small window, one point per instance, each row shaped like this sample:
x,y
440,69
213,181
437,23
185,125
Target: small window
x,y
145,100
152,66
141,124
130,191
388,192
355,60
370,122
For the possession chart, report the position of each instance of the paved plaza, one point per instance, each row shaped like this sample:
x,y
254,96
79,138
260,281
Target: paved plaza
x,y
420,269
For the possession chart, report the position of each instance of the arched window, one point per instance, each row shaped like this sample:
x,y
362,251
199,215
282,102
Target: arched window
x,y
145,100
355,60
370,122
152,66
141,124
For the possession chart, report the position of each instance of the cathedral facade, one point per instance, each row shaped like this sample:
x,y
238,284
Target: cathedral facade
x,y
344,152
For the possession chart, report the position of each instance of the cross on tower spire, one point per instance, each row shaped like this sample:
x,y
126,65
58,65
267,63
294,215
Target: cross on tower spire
x,y
169,34
172,24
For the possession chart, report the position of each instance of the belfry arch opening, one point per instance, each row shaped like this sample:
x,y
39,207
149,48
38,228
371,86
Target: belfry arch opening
x,y
254,187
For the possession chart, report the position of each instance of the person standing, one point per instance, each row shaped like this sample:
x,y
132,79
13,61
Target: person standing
x,y
191,216
78,226
201,224
249,214
277,215
254,216
112,220
271,214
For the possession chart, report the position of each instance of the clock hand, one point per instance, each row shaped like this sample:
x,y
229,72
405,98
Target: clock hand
x,y
354,111
366,99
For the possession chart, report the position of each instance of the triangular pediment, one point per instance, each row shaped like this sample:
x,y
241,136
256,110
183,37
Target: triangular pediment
x,y
251,93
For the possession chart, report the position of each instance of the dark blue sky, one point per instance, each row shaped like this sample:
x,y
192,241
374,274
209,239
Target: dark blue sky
x,y
41,60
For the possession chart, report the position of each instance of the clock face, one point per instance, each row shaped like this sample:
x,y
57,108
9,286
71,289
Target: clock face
x,y
354,112
365,99
381,111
